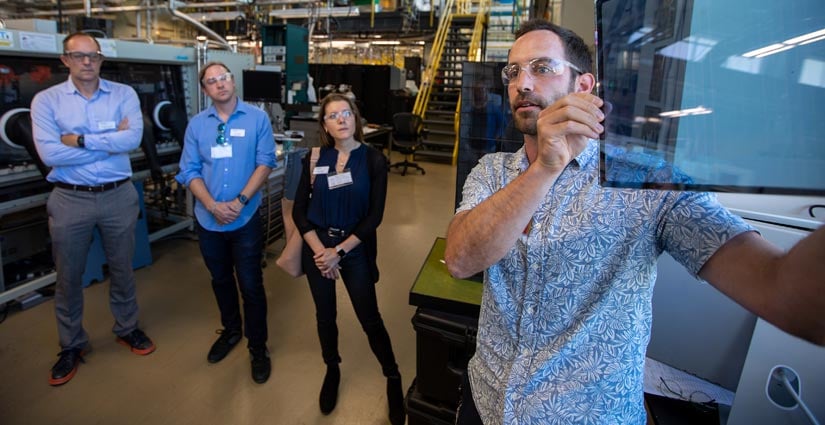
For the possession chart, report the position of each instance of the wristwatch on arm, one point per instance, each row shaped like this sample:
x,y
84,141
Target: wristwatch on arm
x,y
81,141
341,252
243,199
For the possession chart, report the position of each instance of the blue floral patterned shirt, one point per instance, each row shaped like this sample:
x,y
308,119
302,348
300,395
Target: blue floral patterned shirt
x,y
566,314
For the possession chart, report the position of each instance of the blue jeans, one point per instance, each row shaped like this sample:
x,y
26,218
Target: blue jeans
x,y
355,272
238,252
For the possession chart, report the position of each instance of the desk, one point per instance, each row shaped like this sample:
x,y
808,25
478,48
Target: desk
x,y
434,287
378,137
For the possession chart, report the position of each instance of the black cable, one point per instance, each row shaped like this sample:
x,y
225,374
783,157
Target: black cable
x,y
813,207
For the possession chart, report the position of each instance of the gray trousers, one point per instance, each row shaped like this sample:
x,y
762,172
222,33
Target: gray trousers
x,y
73,215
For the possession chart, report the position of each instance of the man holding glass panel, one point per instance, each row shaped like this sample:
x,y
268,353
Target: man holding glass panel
x,y
84,130
570,265
228,153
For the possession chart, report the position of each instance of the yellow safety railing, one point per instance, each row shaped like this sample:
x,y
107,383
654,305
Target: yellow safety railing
x,y
473,55
434,60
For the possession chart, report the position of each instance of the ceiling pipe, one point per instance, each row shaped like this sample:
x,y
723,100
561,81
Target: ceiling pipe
x,y
87,9
94,10
203,28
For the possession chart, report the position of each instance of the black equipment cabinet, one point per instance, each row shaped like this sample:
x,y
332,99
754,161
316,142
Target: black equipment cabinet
x,y
445,343
371,84
446,324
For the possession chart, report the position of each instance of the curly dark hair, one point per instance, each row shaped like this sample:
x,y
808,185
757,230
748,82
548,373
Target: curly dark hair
x,y
575,48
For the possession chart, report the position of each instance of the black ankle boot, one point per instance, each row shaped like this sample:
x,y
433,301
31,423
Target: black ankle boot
x,y
395,399
329,390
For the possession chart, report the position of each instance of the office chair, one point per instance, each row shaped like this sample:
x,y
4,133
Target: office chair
x,y
407,135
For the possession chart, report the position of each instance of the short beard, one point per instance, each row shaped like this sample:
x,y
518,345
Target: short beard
x,y
526,122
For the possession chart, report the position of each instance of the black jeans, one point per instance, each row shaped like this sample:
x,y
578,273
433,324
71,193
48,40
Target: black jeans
x,y
467,413
238,252
355,272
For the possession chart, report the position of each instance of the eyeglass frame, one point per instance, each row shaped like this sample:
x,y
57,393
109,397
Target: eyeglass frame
x,y
665,387
507,80
346,113
222,139
211,81
93,57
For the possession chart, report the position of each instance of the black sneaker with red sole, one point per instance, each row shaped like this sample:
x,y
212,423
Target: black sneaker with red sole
x,y
66,367
138,342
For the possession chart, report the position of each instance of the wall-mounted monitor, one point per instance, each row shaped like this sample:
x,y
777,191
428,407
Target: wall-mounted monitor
x,y
713,95
262,86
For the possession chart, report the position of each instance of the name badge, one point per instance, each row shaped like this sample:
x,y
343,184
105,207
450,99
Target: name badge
x,y
321,170
335,181
222,151
106,125
237,132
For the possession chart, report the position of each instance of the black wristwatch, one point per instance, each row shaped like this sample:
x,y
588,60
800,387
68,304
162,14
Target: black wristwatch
x,y
81,141
244,200
342,253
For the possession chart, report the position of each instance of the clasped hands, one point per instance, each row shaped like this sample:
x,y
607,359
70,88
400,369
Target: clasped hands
x,y
327,262
226,212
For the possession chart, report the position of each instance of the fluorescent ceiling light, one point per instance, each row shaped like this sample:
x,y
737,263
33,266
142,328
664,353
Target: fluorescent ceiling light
x,y
699,110
747,65
813,73
321,12
691,49
385,42
805,37
641,32
812,40
754,53
781,49
337,44
787,44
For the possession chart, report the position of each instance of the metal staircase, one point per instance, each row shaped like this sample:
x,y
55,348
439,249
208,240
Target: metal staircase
x,y
460,37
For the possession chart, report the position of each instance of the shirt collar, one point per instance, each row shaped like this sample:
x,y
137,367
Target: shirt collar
x,y
518,162
240,107
103,85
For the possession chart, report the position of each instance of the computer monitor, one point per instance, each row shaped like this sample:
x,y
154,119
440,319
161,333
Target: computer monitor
x,y
262,86
728,95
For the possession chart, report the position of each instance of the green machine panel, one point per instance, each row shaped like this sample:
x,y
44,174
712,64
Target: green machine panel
x,y
287,46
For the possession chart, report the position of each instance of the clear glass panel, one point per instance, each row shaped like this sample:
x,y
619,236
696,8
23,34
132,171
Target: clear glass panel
x,y
713,95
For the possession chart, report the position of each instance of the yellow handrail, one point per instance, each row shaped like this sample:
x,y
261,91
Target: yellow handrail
x,y
473,55
434,60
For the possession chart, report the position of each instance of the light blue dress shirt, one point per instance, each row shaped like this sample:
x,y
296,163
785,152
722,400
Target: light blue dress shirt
x,y
566,314
250,136
61,109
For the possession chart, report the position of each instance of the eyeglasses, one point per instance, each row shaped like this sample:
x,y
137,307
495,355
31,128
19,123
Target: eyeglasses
x,y
335,115
80,56
673,388
211,81
222,139
537,68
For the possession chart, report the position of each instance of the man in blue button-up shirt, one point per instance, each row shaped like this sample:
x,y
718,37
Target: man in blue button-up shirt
x,y
570,265
84,130
228,153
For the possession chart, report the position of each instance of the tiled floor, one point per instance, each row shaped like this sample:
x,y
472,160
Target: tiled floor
x,y
175,385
